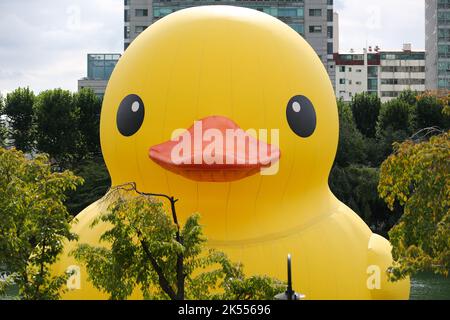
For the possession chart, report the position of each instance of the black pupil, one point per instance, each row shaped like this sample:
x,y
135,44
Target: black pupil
x,y
301,116
130,115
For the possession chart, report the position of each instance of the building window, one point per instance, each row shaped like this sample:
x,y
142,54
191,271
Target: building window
x,y
300,12
390,94
126,15
330,15
443,68
315,12
315,29
139,29
271,10
342,68
443,17
372,71
390,56
403,69
100,66
161,12
403,81
358,83
330,32
358,70
444,34
330,48
287,12
126,32
341,81
443,84
372,84
444,51
299,27
141,12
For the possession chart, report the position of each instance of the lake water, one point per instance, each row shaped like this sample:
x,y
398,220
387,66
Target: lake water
x,y
430,287
423,287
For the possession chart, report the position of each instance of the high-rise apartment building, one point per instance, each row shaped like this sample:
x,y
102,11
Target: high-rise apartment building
x,y
437,44
138,15
313,19
384,73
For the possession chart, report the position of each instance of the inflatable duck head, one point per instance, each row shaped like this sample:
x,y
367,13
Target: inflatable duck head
x,y
192,80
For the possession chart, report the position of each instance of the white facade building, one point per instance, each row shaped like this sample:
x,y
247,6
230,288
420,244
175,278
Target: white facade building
x,y
385,73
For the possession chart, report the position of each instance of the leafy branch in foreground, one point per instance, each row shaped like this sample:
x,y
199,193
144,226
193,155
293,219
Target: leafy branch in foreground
x,y
417,176
34,222
146,249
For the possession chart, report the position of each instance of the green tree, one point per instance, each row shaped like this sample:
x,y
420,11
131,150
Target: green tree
x,y
56,124
34,220
395,124
96,183
417,176
395,115
356,186
147,249
88,106
409,97
365,108
351,147
19,112
429,112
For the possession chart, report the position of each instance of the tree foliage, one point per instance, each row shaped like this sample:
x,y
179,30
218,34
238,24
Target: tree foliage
x,y
395,124
395,115
356,186
366,108
417,176
19,111
146,249
96,183
56,125
429,112
351,147
88,107
34,220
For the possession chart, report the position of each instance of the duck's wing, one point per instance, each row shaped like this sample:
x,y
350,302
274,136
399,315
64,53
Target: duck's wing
x,y
379,261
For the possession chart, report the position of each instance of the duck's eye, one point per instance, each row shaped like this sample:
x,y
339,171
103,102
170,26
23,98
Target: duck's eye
x,y
301,116
130,115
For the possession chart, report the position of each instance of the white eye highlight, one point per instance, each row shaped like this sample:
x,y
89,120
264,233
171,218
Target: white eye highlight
x,y
135,106
296,107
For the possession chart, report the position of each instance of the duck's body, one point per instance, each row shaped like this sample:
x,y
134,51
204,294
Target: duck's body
x,y
334,255
235,67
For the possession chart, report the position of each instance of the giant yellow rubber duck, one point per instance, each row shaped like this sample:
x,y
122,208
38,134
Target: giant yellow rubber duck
x,y
220,68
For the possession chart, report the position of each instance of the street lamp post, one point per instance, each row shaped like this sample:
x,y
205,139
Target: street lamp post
x,y
290,294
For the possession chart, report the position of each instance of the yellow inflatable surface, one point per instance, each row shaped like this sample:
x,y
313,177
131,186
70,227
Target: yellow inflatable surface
x,y
215,71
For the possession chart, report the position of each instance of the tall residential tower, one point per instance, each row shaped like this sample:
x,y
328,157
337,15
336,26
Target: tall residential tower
x,y
437,44
313,19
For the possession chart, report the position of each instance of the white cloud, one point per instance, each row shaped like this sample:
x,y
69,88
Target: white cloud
x,y
44,43
386,23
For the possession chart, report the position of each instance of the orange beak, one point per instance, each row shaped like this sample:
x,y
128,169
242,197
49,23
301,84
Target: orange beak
x,y
229,154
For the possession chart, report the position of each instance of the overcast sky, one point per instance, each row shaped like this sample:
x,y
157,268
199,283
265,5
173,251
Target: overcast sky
x,y
43,43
